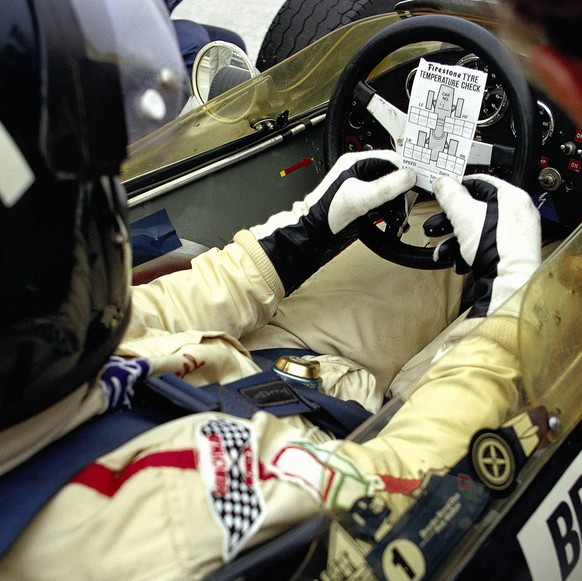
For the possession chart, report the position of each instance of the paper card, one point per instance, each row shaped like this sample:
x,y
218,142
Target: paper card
x,y
443,112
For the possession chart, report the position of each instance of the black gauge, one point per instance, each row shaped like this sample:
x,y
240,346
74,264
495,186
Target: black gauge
x,y
546,123
494,102
410,81
356,119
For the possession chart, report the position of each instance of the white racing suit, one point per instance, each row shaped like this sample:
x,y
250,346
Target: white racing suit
x,y
183,498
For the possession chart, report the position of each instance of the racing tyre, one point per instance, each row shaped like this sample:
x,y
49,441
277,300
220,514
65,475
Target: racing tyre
x,y
301,22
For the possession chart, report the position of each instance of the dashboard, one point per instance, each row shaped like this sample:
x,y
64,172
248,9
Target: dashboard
x,y
557,185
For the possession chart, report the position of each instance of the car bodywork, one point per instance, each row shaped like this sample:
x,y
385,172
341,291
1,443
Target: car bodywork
x,y
250,152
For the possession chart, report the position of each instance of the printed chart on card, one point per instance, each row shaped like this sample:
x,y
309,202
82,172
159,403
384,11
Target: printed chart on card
x,y
442,118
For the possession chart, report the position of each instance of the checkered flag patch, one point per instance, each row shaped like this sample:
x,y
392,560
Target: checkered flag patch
x,y
229,467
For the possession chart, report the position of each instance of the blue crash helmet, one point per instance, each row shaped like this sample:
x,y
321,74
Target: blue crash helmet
x,y
79,80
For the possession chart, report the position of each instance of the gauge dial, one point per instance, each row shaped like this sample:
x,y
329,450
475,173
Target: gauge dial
x,y
410,81
494,102
547,123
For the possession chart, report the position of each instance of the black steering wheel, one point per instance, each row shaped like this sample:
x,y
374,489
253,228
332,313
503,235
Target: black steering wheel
x,y
352,87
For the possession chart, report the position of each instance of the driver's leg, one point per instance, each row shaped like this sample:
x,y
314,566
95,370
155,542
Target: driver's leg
x,y
371,311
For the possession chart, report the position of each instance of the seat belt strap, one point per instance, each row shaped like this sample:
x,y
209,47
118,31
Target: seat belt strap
x,y
267,392
28,487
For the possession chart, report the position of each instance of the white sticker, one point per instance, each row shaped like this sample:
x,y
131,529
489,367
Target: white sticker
x,y
551,539
444,108
15,173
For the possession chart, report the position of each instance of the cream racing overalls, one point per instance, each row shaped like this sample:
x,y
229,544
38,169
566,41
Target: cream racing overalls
x,y
183,498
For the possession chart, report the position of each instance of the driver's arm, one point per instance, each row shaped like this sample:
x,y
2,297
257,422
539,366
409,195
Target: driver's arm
x,y
238,288
475,380
476,385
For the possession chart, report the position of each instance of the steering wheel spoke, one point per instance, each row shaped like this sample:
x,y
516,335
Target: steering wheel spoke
x,y
491,154
480,153
392,119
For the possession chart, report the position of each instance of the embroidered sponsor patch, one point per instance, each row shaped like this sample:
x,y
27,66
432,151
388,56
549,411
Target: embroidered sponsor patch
x,y
327,475
332,477
15,173
229,467
273,393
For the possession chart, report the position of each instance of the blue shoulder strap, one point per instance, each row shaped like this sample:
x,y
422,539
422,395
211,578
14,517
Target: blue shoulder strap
x,y
28,487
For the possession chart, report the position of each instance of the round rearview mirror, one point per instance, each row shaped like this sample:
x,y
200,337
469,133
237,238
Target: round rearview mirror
x,y
219,66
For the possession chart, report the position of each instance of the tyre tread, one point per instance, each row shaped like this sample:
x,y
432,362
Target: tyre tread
x,y
299,23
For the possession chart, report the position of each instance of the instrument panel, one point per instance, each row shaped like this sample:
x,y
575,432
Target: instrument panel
x,y
557,186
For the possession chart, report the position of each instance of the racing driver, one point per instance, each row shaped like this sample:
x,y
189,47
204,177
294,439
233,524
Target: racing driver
x,y
186,496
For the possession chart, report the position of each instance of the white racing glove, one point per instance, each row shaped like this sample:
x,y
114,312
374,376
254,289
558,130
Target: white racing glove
x,y
499,234
298,242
